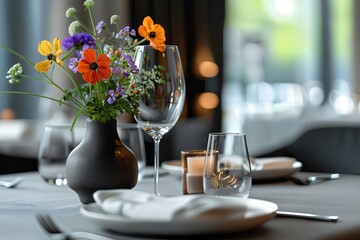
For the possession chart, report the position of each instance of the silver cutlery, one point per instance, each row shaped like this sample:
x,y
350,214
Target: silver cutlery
x,y
56,233
310,216
10,184
312,179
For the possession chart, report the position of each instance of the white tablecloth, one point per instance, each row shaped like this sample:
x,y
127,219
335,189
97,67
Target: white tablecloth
x,y
338,197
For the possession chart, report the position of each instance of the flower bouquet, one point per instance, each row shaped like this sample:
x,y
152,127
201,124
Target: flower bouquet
x,y
104,59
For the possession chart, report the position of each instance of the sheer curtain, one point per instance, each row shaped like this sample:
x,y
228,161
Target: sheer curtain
x,y
21,25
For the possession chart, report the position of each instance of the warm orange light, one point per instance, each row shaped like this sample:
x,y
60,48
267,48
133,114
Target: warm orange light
x,y
208,69
7,114
208,100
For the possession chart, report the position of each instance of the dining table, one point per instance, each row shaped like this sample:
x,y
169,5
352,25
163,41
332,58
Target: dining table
x,y
20,205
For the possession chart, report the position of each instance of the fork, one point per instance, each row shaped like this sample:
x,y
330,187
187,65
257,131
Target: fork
x,y
56,233
312,179
10,184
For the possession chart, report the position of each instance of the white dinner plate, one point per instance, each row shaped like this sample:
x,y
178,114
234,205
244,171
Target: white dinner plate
x,y
257,212
264,168
173,167
274,167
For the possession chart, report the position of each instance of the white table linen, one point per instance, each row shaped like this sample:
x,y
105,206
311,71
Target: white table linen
x,y
338,197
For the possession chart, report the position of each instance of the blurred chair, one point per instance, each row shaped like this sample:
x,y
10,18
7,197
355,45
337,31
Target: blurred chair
x,y
325,149
12,164
19,139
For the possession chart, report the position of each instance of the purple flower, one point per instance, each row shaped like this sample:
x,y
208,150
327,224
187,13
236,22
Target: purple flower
x,y
79,40
112,97
119,91
100,26
118,71
126,67
113,94
134,69
126,33
73,64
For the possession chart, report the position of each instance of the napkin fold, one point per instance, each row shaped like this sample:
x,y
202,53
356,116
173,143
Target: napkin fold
x,y
144,206
272,163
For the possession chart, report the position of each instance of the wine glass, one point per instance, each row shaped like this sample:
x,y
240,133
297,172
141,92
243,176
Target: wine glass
x,y
160,109
57,141
132,136
227,169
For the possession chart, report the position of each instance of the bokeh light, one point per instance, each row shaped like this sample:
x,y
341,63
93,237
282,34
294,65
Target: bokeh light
x,y
208,69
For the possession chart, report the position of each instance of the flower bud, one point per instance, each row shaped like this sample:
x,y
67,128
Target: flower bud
x,y
73,27
89,3
114,19
70,12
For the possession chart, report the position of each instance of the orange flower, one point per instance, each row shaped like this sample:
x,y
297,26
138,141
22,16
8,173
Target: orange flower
x,y
154,33
94,70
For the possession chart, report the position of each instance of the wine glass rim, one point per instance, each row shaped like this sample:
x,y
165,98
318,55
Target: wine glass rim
x,y
166,45
57,125
128,125
227,134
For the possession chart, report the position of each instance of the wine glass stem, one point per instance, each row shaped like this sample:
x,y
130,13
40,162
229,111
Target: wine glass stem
x,y
156,165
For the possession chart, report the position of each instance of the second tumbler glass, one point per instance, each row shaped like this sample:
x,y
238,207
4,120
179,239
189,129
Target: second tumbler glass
x,y
227,165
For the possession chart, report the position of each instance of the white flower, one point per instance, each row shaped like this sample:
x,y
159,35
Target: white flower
x,y
15,73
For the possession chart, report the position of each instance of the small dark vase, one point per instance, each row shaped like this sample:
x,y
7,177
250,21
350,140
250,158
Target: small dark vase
x,y
100,161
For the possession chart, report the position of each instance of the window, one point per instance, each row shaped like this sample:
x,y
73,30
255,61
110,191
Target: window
x,y
287,59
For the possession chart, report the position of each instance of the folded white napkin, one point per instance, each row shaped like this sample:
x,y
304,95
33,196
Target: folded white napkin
x,y
144,206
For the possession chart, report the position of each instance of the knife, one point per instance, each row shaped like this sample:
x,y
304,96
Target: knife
x,y
307,216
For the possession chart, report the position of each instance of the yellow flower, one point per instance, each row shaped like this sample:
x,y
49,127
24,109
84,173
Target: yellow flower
x,y
52,53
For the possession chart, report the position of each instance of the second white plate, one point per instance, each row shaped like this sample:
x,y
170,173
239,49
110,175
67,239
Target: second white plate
x,y
264,168
275,167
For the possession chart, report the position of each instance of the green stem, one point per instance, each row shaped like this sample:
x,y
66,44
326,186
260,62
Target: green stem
x,y
75,119
134,45
98,91
46,97
92,22
88,30
117,26
50,81
83,25
17,54
68,54
74,82
35,78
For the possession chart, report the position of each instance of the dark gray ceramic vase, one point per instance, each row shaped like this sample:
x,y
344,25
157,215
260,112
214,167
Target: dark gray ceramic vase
x,y
100,161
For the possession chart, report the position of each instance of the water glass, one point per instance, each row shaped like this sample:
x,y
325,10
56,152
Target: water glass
x,y
57,141
131,135
227,165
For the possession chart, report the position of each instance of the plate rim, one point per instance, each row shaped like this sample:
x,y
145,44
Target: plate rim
x,y
264,211
174,169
